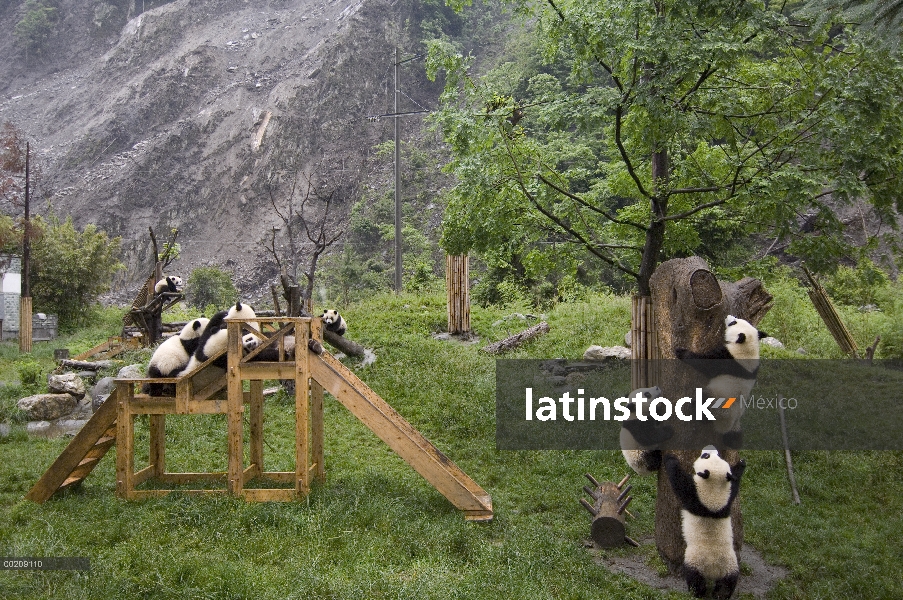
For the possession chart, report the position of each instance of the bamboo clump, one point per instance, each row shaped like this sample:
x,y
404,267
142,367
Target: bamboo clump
x,y
457,282
829,315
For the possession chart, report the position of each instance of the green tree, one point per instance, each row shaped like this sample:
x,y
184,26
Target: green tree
x,y
210,286
71,268
648,125
36,26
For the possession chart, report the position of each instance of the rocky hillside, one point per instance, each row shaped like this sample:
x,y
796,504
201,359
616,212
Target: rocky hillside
x,y
175,116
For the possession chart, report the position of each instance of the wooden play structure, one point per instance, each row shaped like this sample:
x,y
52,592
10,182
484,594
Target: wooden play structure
x,y
147,309
210,390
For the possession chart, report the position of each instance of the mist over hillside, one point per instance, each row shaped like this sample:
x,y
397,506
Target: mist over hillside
x,y
177,116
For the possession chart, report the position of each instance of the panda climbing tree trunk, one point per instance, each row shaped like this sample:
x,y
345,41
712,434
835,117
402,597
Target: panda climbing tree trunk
x,y
689,306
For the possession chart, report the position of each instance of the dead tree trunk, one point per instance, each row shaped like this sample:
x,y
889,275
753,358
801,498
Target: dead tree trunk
x,y
690,306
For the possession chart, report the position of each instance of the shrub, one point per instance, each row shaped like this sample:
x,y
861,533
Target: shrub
x,y
36,26
210,286
71,269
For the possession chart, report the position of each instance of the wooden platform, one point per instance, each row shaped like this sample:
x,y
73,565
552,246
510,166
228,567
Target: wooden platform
x,y
210,390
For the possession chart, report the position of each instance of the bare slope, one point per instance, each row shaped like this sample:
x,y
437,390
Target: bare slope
x,y
175,116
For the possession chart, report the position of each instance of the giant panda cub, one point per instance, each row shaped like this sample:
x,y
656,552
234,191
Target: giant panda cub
x,y
172,356
706,498
271,353
216,337
170,283
640,440
334,321
730,370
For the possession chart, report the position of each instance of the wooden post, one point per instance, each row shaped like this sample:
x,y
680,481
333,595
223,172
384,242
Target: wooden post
x,y
25,329
158,444
457,283
302,410
609,504
690,306
643,343
125,444
256,427
236,409
317,432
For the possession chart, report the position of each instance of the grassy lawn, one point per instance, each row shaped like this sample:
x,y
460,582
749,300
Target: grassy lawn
x,y
376,529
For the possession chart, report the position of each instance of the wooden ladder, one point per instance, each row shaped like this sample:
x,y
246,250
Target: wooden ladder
x,y
81,455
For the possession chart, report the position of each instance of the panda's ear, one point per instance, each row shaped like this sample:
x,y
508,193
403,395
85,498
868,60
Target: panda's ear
x,y
762,334
704,474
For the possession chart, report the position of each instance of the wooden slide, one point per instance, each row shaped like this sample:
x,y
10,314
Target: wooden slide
x,y
407,442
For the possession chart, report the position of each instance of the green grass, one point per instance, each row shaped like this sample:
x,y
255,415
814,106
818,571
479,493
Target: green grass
x,y
376,529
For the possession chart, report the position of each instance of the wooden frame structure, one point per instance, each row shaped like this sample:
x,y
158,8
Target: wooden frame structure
x,y
210,390
207,390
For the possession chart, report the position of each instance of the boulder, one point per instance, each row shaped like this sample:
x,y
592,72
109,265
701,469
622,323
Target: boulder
x,y
46,407
104,387
67,383
131,372
770,341
41,428
69,426
606,352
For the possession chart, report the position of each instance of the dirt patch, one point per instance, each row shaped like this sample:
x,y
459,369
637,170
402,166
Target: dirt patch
x,y
757,577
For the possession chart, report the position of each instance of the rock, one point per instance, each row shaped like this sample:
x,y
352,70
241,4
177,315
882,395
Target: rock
x,y
40,428
96,401
801,351
87,375
131,372
67,383
4,430
69,426
606,352
46,407
770,341
628,341
104,388
442,337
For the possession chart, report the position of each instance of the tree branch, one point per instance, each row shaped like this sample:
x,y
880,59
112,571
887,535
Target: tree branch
x,y
583,202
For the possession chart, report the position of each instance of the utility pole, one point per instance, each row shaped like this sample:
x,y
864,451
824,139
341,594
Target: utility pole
x,y
397,187
25,330
395,115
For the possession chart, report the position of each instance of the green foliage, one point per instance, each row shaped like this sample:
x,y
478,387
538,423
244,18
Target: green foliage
x,y
71,268
210,286
857,286
36,26
31,374
558,142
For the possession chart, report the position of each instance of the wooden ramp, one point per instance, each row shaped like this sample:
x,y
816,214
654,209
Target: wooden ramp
x,y
407,442
81,455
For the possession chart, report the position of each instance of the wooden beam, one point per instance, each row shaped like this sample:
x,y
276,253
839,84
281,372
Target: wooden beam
x,y
401,437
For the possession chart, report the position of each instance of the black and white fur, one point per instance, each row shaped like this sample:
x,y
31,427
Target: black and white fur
x,y
271,353
730,370
706,498
216,337
334,321
640,440
170,283
173,355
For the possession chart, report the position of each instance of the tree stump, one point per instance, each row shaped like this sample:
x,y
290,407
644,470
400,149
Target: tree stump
x,y
690,306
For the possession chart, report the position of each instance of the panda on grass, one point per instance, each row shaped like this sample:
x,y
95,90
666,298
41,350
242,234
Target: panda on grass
x,y
172,357
706,498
